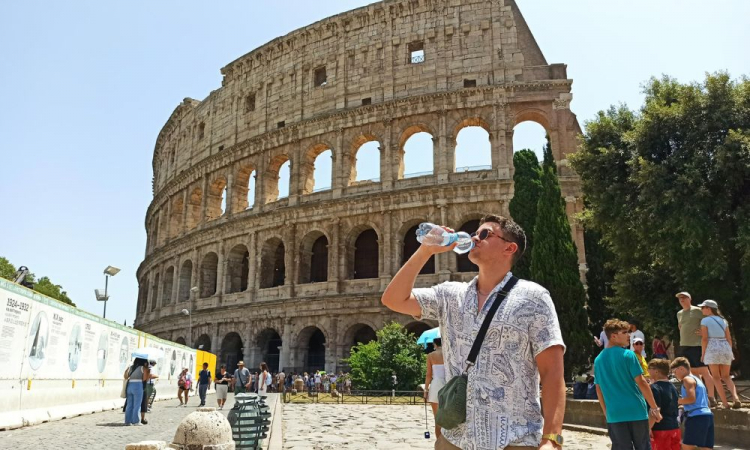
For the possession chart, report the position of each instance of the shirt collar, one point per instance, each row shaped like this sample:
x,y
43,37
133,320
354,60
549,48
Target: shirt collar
x,y
487,303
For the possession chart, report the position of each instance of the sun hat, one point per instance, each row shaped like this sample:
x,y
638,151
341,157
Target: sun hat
x,y
710,304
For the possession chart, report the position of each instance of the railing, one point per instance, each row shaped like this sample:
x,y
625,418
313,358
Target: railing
x,y
417,174
472,168
357,397
321,189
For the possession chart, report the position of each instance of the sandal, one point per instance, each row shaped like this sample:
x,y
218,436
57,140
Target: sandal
x,y
737,404
712,402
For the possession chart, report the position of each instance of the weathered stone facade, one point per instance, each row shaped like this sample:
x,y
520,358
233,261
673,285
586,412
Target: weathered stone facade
x,y
296,281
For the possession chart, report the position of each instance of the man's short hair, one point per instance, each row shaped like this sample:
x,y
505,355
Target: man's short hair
x,y
680,362
511,231
613,326
660,365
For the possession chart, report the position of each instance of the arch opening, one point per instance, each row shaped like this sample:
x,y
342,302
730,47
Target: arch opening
x,y
417,328
186,281
209,270
203,343
194,208
180,340
238,266
166,293
284,180
473,149
314,258
273,267
155,292
312,342
366,255
269,342
177,216
217,197
530,135
318,170
366,162
231,351
142,294
416,159
244,196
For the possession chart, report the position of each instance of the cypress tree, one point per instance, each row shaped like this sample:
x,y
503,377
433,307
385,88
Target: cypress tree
x,y
599,279
549,160
554,265
527,188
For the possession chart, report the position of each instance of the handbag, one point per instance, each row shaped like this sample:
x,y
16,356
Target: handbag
x,y
452,397
124,391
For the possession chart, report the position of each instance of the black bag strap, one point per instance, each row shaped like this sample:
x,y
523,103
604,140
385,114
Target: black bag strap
x,y
499,298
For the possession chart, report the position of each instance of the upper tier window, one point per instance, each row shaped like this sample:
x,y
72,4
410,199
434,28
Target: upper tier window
x,y
320,76
416,52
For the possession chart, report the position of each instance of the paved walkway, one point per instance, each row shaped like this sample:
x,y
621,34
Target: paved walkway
x,y
105,430
369,427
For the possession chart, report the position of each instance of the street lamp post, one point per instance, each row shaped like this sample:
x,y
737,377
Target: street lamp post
x,y
110,271
189,313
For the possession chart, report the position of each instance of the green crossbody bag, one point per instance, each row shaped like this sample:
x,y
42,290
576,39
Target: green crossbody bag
x,y
452,397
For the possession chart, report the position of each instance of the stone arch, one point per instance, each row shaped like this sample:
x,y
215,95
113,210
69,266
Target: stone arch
x,y
186,281
177,216
205,341
231,351
269,342
167,287
195,200
532,115
415,131
364,253
155,298
238,267
470,156
244,188
360,332
463,264
417,327
311,342
356,146
522,121
143,294
217,197
181,340
209,271
271,178
409,246
155,230
272,263
309,168
314,257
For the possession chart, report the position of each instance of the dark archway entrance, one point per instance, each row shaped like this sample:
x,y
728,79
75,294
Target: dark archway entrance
x,y
205,341
462,261
269,343
231,351
366,255
410,246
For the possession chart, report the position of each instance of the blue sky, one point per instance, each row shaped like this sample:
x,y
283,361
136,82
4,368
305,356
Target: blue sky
x,y
86,86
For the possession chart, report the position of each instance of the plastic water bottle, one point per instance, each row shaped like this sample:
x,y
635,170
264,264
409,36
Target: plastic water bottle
x,y
431,234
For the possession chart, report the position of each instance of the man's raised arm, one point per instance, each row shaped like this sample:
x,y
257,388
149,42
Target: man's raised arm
x,y
397,296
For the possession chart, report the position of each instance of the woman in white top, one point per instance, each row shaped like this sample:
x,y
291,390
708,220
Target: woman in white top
x,y
435,378
264,379
716,344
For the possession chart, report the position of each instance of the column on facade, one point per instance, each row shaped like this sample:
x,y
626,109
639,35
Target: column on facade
x,y
221,268
204,200
286,359
168,232
295,174
251,267
444,151
260,188
183,224
340,178
194,278
230,194
388,155
502,155
333,252
290,256
388,251
332,346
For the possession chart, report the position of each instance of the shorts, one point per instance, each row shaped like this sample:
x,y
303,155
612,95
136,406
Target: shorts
x,y
693,355
699,431
221,391
666,440
718,351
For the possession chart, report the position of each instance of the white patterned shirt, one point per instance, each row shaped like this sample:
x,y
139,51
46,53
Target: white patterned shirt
x,y
502,396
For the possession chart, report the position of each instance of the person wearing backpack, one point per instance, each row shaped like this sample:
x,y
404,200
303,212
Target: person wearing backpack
x,y
241,379
204,381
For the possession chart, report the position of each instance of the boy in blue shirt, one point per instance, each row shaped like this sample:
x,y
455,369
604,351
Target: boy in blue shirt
x,y
623,391
699,425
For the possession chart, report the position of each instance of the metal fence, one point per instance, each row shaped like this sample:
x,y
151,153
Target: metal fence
x,y
357,397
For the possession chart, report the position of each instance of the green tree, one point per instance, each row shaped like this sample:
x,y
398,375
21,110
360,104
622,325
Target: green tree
x,y
669,190
599,279
395,350
7,270
554,265
46,287
549,160
526,189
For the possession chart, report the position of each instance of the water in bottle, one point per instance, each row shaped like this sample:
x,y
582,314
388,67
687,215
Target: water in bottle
x,y
431,234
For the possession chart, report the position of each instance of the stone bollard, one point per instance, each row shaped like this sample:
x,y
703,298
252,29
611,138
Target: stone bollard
x,y
204,429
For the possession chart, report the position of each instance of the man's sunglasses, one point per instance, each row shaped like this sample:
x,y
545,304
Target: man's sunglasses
x,y
485,233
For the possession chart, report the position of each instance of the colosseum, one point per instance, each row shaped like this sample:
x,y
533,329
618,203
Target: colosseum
x,y
239,267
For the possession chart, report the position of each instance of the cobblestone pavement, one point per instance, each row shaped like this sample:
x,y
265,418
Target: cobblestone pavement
x,y
369,427
105,430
